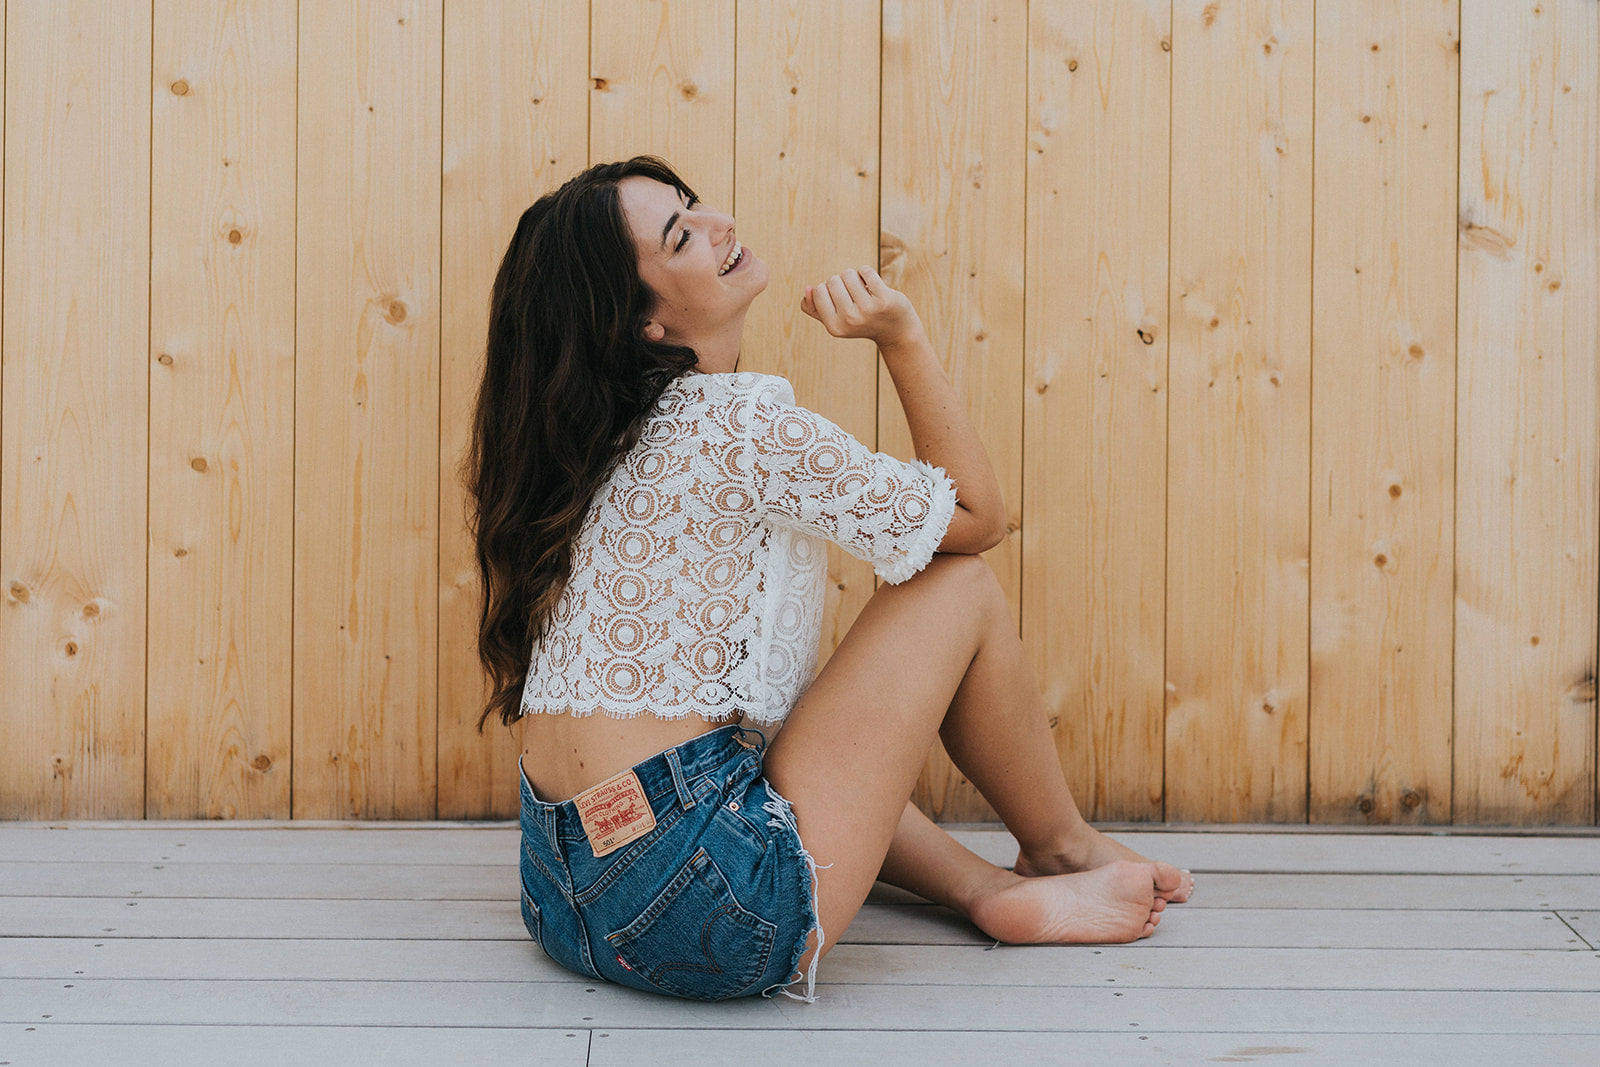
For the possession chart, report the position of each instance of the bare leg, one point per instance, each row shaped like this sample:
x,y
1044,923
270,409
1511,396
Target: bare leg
x,y
1017,772
855,742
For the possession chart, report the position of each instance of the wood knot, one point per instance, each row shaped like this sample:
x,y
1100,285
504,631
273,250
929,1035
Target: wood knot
x,y
1416,351
1394,492
689,90
261,763
198,463
1147,336
90,610
180,552
180,88
1411,800
18,592
601,85
72,648
1072,64
234,237
1380,559
395,311
1364,805
164,359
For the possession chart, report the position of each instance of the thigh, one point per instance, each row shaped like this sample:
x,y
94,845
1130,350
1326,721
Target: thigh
x,y
850,750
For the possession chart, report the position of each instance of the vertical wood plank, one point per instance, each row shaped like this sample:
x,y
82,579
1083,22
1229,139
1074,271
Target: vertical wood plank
x,y
516,125
1094,473
367,410
952,210
662,84
1237,536
221,410
806,175
1526,509
73,408
1384,415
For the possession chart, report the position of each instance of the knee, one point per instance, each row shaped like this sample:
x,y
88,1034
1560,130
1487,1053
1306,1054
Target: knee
x,y
968,577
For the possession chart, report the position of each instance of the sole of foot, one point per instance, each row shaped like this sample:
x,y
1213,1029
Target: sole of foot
x,y
1112,904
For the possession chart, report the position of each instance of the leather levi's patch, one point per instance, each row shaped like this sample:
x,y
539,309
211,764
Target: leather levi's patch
x,y
614,812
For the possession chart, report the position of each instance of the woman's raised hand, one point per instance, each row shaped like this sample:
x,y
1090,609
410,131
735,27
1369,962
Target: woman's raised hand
x,y
858,303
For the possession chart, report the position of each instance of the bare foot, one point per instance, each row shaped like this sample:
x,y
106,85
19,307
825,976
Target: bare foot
x,y
1111,904
1096,851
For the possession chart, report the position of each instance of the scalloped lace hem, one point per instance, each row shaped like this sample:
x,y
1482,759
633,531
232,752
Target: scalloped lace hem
x,y
757,716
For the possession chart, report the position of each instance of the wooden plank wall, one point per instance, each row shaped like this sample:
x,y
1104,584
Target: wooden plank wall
x,y
1278,320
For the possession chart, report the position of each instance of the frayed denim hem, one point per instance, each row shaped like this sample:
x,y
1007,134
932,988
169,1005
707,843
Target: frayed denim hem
x,y
782,816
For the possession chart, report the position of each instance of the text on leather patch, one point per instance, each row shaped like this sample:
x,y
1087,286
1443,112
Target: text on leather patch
x,y
614,812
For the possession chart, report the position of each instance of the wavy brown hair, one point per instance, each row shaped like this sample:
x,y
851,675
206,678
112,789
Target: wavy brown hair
x,y
568,381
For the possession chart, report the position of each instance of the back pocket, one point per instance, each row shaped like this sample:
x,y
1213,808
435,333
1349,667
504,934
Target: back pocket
x,y
695,939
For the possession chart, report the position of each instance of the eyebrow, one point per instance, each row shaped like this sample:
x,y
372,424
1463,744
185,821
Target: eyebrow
x,y
668,227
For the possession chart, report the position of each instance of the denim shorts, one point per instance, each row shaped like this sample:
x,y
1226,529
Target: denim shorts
x,y
715,902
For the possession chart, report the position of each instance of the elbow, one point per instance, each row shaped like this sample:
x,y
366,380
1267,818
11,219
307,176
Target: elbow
x,y
996,534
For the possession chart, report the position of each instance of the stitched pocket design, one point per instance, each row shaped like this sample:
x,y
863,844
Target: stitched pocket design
x,y
531,918
695,939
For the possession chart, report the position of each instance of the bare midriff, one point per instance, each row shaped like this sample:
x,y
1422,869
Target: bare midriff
x,y
563,755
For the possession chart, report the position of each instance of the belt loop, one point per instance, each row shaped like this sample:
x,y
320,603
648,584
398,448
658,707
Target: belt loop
x,y
548,815
685,797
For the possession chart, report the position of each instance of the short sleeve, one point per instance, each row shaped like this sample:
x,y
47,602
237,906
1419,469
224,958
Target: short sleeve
x,y
810,474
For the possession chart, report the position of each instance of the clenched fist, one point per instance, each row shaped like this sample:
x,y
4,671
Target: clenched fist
x,y
858,303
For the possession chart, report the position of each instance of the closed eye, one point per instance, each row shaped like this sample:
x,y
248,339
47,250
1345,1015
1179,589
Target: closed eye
x,y
685,239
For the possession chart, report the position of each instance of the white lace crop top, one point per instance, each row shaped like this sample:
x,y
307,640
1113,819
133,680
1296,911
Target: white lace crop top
x,y
698,574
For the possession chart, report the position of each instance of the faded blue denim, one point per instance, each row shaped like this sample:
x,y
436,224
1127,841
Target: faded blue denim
x,y
715,902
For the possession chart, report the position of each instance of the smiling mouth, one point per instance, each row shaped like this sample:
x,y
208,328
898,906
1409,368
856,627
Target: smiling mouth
x,y
735,258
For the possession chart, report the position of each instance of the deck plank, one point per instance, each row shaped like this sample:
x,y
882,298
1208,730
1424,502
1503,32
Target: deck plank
x,y
1485,892
497,843
878,1007
95,1045
898,1048
95,917
1059,966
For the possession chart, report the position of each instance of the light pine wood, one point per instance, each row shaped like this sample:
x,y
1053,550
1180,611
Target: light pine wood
x,y
662,84
516,125
952,209
1239,434
367,410
222,332
1095,396
806,202
1384,417
1526,504
73,401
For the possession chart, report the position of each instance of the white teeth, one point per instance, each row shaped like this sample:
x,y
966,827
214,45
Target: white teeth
x,y
733,257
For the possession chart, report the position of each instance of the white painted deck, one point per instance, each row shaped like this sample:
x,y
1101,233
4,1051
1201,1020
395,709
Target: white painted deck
x,y
273,943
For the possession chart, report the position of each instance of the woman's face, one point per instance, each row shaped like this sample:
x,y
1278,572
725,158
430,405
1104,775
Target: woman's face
x,y
682,248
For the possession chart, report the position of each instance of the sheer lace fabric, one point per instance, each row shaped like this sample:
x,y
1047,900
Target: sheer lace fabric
x,y
698,575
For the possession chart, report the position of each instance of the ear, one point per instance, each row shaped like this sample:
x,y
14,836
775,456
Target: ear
x,y
654,331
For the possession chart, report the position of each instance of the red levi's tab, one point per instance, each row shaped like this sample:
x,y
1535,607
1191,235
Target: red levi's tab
x,y
614,812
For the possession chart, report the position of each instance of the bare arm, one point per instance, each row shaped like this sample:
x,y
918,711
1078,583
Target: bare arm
x,y
858,303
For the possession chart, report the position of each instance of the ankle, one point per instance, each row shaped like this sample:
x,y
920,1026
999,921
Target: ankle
x,y
1068,852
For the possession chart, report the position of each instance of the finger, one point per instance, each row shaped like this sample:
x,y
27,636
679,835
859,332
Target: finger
x,y
842,301
856,287
805,302
824,302
873,281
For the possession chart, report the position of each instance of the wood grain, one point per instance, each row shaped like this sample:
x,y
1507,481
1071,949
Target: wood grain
x,y
953,204
1528,540
516,125
1239,433
1094,473
74,398
1384,414
367,410
661,76
806,202
222,287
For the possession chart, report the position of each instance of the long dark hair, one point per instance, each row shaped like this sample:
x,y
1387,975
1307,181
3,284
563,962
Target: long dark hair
x,y
568,380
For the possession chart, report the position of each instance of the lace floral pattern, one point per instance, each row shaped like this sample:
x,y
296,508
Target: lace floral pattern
x,y
698,575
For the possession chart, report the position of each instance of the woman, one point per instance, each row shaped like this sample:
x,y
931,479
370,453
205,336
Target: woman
x,y
651,526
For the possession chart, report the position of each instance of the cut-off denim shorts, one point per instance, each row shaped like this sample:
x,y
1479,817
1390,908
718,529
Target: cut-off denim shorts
x,y
715,902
